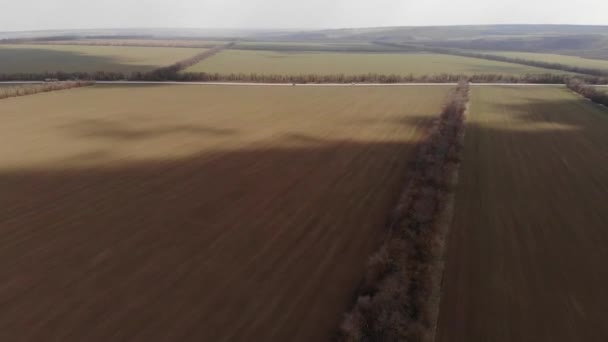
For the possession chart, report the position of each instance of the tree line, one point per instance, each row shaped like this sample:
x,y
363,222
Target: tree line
x,y
29,89
539,64
172,71
394,300
593,94
172,74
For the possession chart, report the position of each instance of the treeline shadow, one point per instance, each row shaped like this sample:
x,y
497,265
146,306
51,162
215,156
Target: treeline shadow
x,y
25,61
114,130
263,244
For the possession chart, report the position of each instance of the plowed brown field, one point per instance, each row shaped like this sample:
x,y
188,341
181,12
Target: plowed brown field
x,y
196,213
527,254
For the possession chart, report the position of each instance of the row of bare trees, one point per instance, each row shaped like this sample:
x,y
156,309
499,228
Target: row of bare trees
x,y
394,298
588,91
172,73
369,78
488,56
29,89
66,76
538,64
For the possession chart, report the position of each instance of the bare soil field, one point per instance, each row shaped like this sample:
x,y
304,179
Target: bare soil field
x,y
196,213
527,251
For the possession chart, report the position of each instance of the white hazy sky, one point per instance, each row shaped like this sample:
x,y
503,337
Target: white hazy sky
x,y
65,14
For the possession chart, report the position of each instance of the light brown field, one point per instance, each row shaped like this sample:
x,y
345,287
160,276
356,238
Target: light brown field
x,y
527,255
196,213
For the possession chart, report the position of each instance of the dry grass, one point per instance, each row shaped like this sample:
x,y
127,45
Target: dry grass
x,y
196,213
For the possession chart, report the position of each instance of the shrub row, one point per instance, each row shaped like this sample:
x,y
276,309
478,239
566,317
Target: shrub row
x,y
172,73
29,89
588,91
393,302
370,78
538,64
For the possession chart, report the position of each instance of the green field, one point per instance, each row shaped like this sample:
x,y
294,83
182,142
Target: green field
x,y
554,58
272,62
72,58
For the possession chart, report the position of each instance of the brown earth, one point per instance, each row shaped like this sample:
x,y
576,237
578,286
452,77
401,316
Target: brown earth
x,y
527,251
196,213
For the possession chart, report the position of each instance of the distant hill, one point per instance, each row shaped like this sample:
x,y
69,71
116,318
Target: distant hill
x,y
576,40
584,41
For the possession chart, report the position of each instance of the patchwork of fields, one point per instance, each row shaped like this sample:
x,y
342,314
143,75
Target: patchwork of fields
x,y
417,64
554,58
249,213
23,58
526,258
196,212
197,43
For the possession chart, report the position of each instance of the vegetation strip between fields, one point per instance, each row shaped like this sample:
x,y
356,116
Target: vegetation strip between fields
x,y
174,69
496,58
172,76
588,91
528,62
396,298
30,89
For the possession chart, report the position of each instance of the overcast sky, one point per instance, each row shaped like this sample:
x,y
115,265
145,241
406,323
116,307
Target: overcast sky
x,y
66,14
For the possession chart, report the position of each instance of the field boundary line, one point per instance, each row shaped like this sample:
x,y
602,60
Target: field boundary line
x,y
173,69
25,89
327,84
444,226
399,294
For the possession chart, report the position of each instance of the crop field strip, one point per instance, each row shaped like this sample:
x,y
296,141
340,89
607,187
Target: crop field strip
x,y
185,43
289,63
526,256
554,58
22,58
162,212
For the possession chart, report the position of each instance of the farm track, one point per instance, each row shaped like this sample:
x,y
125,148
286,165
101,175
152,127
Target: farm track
x,y
224,221
527,251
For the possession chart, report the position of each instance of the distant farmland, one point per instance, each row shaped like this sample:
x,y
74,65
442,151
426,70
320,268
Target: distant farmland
x,y
527,253
289,63
554,58
198,213
71,58
194,43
